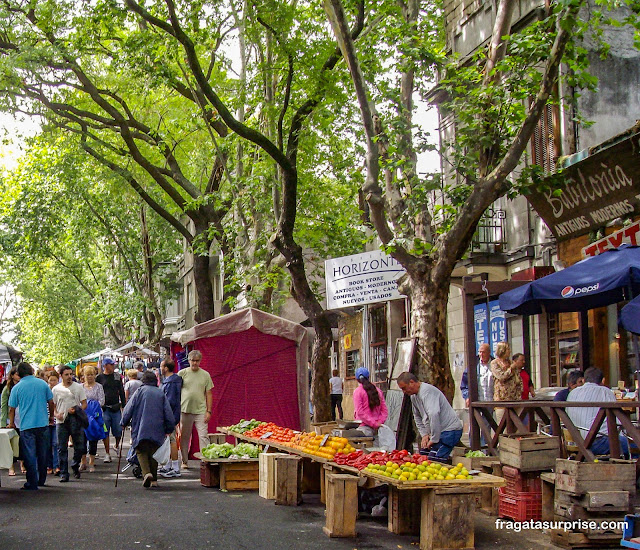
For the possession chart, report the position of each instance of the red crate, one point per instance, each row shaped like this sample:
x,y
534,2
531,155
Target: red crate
x,y
521,482
522,507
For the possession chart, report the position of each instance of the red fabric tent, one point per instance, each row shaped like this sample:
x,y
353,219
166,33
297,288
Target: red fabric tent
x,y
258,363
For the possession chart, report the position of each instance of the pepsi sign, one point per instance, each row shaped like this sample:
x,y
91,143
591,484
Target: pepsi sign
x,y
569,291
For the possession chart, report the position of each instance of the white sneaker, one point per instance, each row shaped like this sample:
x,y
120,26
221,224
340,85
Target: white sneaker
x,y
170,473
107,458
165,469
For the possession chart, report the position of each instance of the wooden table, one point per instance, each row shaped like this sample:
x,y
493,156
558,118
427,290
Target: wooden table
x,y
230,474
441,511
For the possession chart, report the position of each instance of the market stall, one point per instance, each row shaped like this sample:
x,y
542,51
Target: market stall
x,y
258,364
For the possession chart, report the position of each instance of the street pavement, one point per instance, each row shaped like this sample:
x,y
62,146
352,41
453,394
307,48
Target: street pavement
x,y
91,513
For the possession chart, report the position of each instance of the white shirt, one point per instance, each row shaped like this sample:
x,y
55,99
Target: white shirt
x,y
485,382
65,398
336,385
583,417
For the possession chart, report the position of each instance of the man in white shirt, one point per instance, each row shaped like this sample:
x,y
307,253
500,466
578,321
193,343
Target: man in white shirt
x,y
485,378
437,422
593,391
336,394
68,396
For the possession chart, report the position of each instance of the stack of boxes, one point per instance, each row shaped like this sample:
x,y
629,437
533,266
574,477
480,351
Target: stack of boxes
x,y
592,493
523,458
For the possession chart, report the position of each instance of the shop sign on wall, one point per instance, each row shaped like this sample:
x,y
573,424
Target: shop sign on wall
x,y
362,279
626,235
597,190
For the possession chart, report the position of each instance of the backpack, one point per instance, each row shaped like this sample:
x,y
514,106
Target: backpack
x,y
96,430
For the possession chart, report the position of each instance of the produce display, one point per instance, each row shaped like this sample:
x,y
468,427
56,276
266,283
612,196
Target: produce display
x,y
412,471
475,453
360,460
226,450
277,434
245,425
321,445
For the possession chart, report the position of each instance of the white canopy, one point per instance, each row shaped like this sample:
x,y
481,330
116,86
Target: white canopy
x,y
96,356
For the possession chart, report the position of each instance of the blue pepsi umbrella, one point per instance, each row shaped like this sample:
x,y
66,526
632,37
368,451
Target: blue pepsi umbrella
x,y
608,278
630,316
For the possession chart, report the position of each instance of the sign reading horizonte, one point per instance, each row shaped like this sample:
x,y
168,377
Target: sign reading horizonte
x,y
362,279
598,189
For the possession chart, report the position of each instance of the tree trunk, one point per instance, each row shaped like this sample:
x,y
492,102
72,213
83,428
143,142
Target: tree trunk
x,y
320,359
429,326
204,290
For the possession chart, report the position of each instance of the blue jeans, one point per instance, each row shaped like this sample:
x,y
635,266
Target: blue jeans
x,y
601,446
442,449
53,443
34,449
112,422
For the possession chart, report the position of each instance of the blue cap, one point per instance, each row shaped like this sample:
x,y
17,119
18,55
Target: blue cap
x,y
362,372
107,361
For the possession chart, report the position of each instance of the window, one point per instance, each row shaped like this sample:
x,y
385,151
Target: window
x,y
378,317
545,142
353,362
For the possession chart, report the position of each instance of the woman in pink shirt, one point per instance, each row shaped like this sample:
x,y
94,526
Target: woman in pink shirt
x,y
368,403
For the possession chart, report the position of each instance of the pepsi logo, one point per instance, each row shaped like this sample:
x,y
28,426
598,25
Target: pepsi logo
x,y
569,291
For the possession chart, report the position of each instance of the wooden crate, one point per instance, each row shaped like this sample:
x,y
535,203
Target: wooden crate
x,y
288,480
404,511
209,474
476,462
342,505
239,475
579,478
267,474
548,480
447,520
217,438
489,498
573,539
322,428
529,452
593,504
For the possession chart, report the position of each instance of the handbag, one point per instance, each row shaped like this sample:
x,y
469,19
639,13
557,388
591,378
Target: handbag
x,y
82,417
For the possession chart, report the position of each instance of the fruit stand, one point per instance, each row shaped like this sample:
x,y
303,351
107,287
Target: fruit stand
x,y
431,499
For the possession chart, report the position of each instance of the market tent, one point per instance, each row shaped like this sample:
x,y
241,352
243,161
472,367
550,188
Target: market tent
x,y
630,316
258,363
97,355
134,347
4,354
607,278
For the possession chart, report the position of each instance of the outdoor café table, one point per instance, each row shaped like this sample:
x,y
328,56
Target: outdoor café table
x,y
8,447
442,511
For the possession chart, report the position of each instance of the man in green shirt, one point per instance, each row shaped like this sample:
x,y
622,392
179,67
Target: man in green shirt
x,y
195,404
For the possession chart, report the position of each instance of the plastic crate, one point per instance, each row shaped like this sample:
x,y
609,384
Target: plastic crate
x,y
521,507
521,482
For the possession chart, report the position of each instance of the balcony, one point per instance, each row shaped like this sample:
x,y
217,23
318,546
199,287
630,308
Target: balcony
x,y
490,236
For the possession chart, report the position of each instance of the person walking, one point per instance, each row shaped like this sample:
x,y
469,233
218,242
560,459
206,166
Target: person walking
x,y
439,426
95,402
172,388
68,397
368,404
151,421
336,394
34,399
12,380
195,404
53,464
114,401
133,383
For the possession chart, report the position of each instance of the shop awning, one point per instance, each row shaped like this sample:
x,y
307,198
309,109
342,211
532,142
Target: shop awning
x,y
630,316
608,278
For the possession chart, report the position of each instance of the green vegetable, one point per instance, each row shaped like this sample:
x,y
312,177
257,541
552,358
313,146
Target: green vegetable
x,y
217,450
246,450
474,453
240,428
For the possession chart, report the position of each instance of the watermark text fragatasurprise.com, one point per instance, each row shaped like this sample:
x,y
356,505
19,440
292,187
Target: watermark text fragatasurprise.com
x,y
531,524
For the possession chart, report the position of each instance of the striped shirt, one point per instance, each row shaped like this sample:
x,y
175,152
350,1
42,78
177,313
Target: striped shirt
x,y
583,417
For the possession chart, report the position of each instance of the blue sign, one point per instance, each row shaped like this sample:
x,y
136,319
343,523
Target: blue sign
x,y
497,325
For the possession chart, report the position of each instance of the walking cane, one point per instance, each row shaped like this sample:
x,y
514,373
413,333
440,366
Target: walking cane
x,y
120,455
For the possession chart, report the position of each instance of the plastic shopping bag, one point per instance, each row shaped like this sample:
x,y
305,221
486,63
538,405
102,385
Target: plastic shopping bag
x,y
163,454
